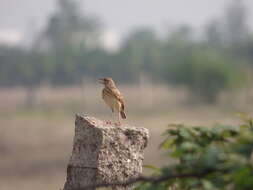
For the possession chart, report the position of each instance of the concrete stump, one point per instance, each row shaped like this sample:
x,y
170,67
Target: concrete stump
x,y
104,153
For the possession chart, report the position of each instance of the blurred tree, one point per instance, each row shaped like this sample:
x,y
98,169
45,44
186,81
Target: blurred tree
x,y
67,51
235,23
205,74
177,45
141,53
213,34
182,33
69,35
237,36
231,30
68,27
11,61
21,67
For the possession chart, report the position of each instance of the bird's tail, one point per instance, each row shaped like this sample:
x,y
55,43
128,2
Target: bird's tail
x,y
123,115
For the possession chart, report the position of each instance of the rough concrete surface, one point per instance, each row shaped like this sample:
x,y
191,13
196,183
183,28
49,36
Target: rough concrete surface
x,y
104,153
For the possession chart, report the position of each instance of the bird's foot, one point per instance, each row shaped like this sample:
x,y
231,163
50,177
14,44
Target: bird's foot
x,y
117,124
108,122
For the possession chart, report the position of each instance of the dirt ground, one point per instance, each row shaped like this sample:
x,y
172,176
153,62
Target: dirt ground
x,y
36,142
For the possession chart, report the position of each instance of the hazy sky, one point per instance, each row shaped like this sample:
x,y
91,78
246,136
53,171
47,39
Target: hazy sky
x,y
118,15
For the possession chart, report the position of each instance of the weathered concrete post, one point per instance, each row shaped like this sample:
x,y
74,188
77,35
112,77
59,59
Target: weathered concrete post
x,y
104,153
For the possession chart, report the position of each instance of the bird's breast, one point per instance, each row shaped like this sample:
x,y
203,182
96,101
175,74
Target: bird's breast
x,y
110,100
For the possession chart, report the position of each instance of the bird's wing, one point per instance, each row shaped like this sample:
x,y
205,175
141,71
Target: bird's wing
x,y
116,94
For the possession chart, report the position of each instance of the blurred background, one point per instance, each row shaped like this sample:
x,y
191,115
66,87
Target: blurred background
x,y
175,62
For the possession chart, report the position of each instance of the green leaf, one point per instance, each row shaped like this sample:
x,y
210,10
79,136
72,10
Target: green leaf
x,y
184,132
207,185
189,146
167,143
244,178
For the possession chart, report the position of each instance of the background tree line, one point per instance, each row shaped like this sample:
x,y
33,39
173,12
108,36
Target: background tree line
x,y
68,50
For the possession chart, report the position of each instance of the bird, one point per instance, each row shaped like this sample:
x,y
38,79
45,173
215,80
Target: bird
x,y
113,98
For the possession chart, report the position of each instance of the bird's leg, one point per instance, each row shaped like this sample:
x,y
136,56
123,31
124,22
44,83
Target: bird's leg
x,y
118,123
111,116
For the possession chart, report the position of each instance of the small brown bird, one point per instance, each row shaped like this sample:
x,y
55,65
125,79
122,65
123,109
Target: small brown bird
x,y
113,97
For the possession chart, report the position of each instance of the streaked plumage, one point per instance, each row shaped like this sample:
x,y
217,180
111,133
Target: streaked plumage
x,y
113,98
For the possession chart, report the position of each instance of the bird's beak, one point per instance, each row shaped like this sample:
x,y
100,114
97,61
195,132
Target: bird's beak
x,y
101,81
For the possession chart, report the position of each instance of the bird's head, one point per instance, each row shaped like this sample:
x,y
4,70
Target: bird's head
x,y
107,81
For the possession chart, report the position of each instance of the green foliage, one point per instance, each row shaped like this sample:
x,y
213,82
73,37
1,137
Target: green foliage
x,y
210,158
206,73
